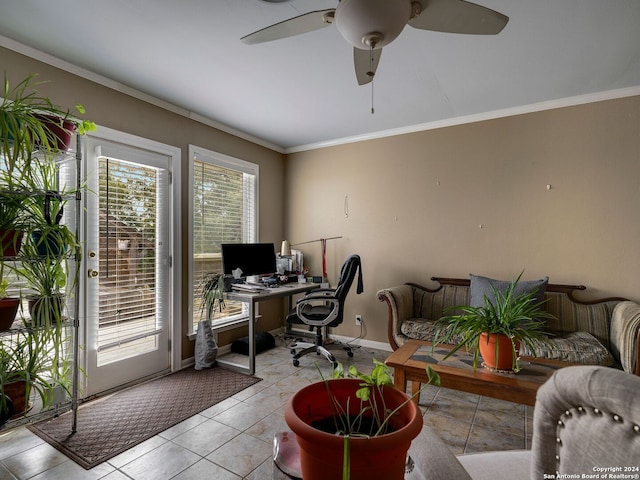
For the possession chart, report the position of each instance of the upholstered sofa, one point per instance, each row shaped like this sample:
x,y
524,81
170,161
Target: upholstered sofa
x,y
598,332
586,424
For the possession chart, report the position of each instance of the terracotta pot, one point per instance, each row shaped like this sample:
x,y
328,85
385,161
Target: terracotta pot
x,y
375,458
10,242
8,309
60,131
505,353
17,392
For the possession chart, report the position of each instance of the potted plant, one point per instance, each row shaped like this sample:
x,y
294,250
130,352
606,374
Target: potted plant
x,y
8,305
31,361
500,325
354,425
46,278
29,120
212,299
50,238
46,208
12,222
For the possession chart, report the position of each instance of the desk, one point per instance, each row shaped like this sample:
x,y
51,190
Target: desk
x,y
285,290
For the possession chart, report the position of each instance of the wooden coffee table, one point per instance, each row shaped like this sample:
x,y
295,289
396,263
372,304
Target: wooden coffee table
x,y
410,362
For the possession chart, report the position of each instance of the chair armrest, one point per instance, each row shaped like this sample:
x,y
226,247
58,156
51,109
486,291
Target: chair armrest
x,y
333,313
317,295
625,336
400,308
432,459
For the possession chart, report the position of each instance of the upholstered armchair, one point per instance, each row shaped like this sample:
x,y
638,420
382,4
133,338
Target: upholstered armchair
x,y
586,421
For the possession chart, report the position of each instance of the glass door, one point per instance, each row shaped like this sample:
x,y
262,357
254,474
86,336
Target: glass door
x,y
127,258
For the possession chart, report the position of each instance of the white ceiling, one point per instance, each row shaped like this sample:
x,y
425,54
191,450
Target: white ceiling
x,y
301,92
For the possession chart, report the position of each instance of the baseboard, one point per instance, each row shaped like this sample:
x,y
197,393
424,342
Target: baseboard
x,y
222,350
362,342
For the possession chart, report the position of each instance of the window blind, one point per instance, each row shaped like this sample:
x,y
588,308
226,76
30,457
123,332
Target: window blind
x,y
223,211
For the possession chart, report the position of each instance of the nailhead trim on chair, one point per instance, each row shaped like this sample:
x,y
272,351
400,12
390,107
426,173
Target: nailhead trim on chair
x,y
568,413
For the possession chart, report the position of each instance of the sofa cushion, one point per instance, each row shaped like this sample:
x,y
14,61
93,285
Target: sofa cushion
x,y
574,347
481,287
419,329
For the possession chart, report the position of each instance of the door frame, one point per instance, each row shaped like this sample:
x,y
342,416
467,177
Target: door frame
x,y
175,237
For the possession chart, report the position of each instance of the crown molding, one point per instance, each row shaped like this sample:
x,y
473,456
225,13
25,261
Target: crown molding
x,y
479,117
132,92
501,113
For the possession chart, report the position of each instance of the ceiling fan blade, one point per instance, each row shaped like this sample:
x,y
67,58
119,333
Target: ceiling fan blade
x,y
458,16
366,64
305,23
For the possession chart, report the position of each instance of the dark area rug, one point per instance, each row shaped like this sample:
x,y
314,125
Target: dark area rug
x,y
111,425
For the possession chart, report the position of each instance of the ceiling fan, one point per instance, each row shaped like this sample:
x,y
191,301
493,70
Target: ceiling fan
x,y
369,25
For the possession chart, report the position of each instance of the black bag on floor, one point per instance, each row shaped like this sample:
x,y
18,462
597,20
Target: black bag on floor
x,y
264,341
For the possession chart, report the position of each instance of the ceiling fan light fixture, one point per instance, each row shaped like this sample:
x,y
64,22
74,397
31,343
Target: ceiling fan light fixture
x,y
373,39
359,20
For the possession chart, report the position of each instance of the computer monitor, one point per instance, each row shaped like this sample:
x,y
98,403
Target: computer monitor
x,y
251,258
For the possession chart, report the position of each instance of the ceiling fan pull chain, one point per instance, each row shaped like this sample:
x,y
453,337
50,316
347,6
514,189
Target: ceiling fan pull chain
x,y
372,110
372,74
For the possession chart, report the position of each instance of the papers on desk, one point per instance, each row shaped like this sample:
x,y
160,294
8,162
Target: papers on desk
x,y
248,287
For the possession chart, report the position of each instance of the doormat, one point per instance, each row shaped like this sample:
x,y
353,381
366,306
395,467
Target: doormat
x,y
111,425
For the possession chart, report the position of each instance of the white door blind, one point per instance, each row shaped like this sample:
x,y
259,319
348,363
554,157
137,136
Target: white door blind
x,y
132,250
224,206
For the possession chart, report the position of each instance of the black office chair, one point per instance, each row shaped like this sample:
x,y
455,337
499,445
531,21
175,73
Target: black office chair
x,y
324,308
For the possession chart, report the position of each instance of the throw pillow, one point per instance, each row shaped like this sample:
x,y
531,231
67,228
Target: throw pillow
x,y
481,287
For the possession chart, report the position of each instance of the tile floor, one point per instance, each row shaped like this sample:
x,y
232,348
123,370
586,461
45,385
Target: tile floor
x,y
233,439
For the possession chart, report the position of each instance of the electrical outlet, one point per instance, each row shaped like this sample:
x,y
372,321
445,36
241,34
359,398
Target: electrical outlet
x,y
358,320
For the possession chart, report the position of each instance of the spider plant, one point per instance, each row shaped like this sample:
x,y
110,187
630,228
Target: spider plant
x,y
212,297
36,357
25,119
46,279
518,317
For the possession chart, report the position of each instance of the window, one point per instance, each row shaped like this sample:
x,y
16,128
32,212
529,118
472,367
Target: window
x,y
223,210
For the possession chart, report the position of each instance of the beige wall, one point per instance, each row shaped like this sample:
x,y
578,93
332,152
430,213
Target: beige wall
x,y
417,201
122,112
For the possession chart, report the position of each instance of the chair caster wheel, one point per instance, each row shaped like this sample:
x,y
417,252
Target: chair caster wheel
x,y
350,354
293,352
296,363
